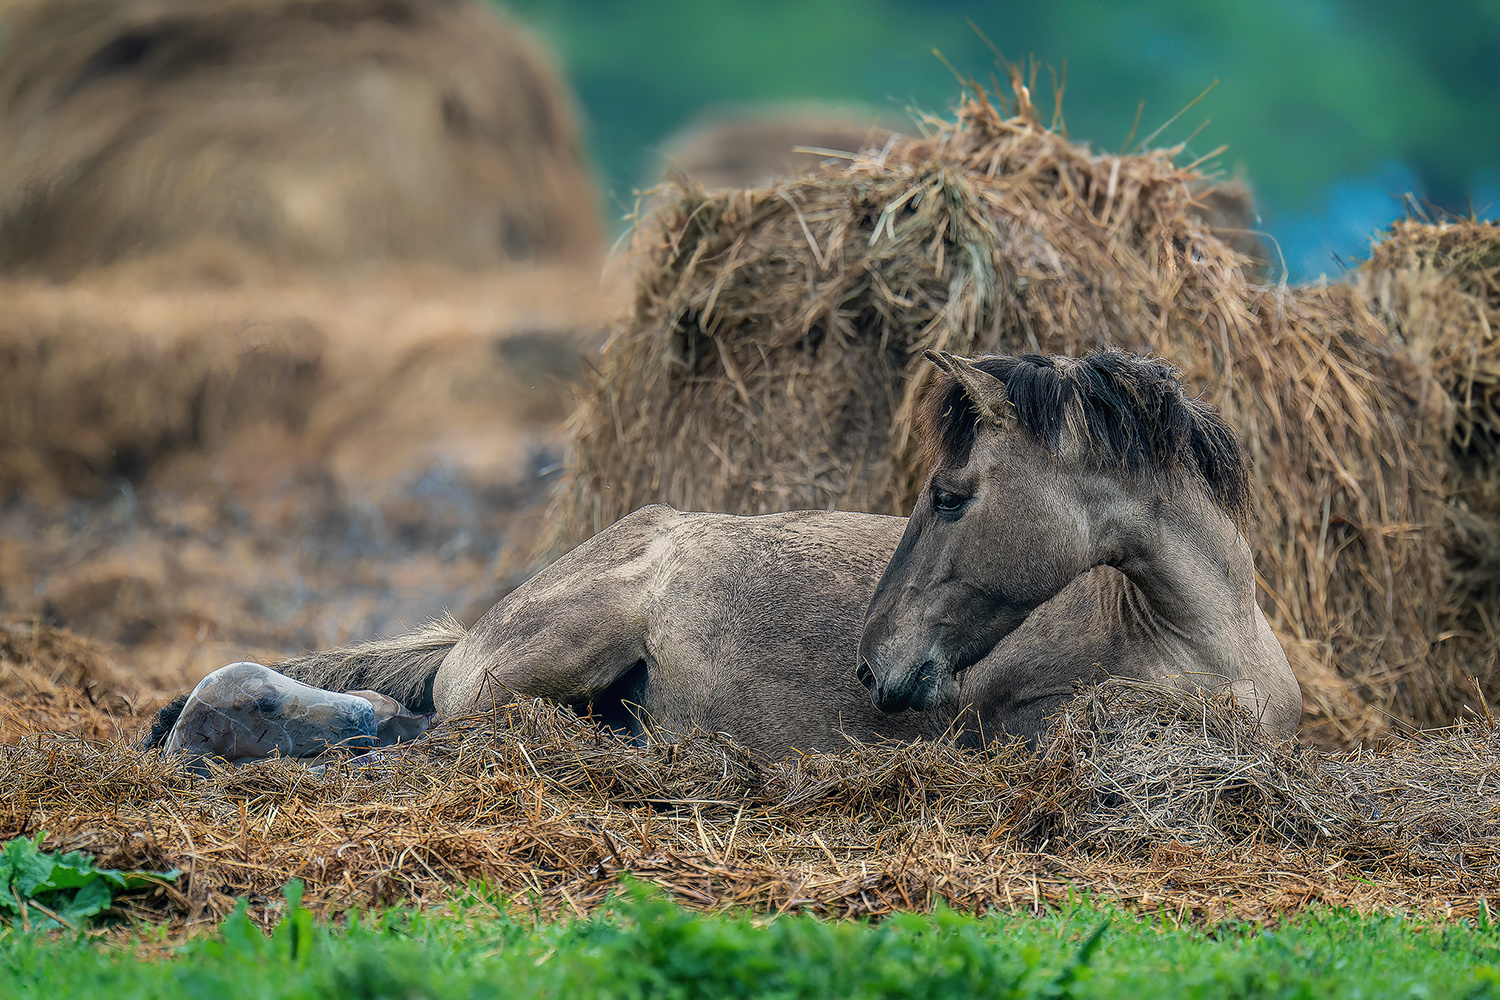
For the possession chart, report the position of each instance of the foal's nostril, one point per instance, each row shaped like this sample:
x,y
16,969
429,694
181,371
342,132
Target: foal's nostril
x,y
865,674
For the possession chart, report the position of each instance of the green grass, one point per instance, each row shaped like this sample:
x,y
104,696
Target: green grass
x,y
646,947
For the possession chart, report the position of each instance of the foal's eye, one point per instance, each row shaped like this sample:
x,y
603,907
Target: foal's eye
x,y
948,503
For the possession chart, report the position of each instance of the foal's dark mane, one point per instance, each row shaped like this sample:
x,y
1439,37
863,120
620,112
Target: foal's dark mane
x,y
1137,417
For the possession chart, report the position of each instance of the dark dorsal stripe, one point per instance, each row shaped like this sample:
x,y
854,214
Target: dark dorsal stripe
x,y
1137,417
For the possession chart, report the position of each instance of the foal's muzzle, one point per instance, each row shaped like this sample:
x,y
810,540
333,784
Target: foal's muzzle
x,y
894,692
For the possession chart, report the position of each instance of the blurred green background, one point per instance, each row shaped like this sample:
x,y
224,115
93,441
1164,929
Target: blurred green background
x,y
1332,109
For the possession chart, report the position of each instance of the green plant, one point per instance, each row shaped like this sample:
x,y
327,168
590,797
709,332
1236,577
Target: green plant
x,y
43,890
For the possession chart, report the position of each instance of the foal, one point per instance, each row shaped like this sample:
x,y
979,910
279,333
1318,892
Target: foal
x,y
1083,519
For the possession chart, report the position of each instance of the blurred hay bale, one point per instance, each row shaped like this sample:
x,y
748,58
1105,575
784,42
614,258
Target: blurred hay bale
x,y
85,401
751,147
373,378
772,361
320,131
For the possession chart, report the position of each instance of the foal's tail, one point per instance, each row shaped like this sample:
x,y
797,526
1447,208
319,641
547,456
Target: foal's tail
x,y
162,723
402,667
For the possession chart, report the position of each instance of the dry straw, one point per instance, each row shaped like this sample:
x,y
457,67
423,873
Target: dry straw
x,y
52,680
773,361
1149,796
322,131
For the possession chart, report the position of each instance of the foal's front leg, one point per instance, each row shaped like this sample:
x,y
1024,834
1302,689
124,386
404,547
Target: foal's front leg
x,y
1072,639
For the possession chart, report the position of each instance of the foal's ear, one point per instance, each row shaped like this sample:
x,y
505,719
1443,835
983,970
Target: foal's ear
x,y
984,390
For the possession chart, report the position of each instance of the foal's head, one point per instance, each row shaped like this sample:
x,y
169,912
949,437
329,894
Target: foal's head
x,y
1042,467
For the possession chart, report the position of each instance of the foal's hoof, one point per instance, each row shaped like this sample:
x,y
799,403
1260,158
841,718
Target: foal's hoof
x,y
247,712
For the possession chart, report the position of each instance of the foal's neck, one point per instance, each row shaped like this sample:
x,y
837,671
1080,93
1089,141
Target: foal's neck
x,y
1193,566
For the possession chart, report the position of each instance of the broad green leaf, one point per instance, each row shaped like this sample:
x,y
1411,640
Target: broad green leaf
x,y
71,885
89,901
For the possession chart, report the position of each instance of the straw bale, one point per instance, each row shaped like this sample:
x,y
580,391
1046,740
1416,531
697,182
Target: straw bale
x,y
751,147
1436,286
766,361
772,361
109,377
1349,439
309,131
1150,797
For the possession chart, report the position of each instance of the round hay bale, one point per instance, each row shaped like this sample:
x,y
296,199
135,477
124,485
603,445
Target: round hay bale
x,y
773,361
323,131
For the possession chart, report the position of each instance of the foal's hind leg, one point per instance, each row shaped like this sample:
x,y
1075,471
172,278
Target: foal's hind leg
x,y
569,633
247,712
